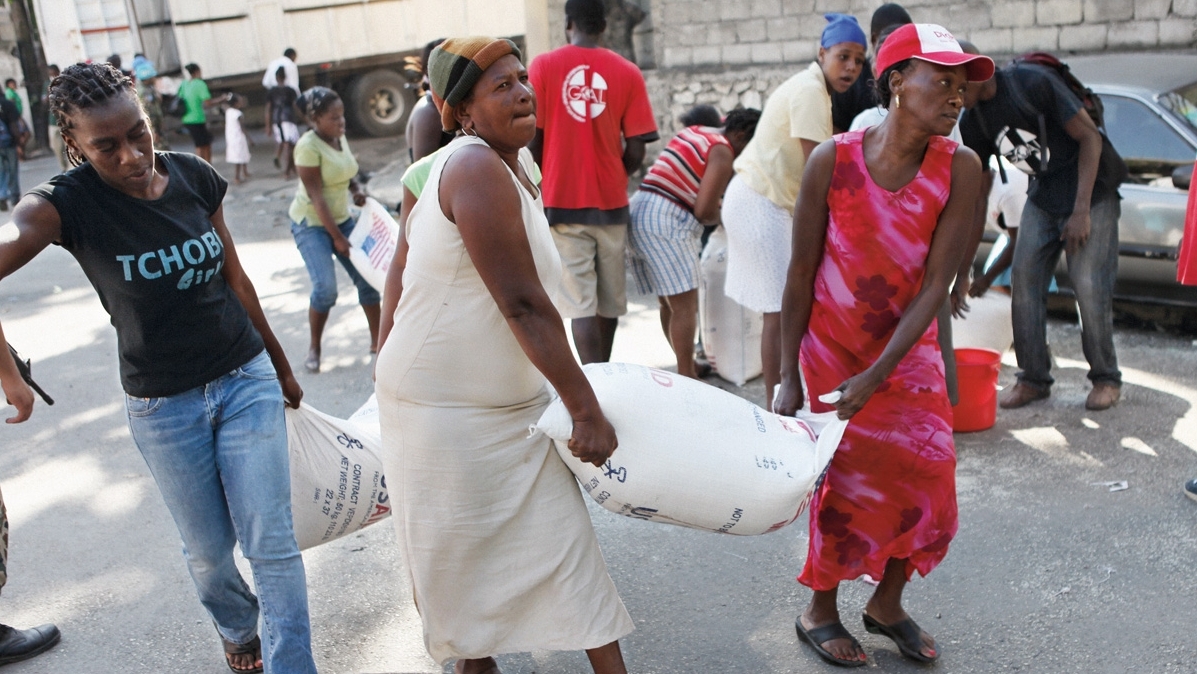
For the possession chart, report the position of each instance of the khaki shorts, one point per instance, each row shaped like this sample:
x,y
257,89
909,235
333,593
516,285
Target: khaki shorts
x,y
595,281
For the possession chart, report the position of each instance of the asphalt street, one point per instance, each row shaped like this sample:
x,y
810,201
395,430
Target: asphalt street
x,y
1049,573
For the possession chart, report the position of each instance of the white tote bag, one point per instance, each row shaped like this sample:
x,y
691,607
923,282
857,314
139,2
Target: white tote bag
x,y
372,243
697,456
337,485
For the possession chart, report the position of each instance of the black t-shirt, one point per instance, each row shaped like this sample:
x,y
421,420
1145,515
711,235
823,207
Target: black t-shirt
x,y
859,97
282,104
156,267
1053,187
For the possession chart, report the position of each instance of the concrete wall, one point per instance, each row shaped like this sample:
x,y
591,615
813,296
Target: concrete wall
x,y
738,33
10,66
736,52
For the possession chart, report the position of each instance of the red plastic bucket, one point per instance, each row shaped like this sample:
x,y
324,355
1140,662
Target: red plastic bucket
x,y
976,377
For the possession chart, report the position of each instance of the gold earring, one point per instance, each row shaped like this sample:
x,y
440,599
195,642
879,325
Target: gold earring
x,y
897,100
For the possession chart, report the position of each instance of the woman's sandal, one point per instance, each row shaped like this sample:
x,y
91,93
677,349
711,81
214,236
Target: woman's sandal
x,y
253,648
817,636
906,634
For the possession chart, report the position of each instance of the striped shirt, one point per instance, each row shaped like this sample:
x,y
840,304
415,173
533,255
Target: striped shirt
x,y
678,172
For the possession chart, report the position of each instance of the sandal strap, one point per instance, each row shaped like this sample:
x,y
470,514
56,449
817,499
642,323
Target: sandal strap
x,y
905,633
909,631
836,630
251,647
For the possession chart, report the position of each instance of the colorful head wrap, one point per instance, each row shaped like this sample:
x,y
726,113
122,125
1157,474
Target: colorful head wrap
x,y
842,28
456,65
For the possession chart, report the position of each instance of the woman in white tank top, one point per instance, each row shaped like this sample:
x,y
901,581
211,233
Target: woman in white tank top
x,y
500,548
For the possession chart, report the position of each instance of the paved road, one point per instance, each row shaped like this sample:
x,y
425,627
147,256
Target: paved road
x,y
1048,573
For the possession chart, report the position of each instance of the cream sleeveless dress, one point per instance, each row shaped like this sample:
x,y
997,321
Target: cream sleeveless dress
x,y
491,524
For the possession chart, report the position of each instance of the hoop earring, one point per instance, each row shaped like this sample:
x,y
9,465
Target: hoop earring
x,y
467,131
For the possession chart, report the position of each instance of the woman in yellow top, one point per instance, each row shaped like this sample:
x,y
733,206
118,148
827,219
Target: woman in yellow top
x,y
500,552
320,220
758,207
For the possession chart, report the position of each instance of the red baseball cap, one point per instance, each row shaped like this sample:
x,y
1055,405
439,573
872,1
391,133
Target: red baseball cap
x,y
934,44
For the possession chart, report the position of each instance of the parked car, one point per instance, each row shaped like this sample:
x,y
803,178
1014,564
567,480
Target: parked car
x,y
1151,118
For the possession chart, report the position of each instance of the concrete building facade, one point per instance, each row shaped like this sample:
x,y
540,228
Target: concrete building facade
x,y
735,52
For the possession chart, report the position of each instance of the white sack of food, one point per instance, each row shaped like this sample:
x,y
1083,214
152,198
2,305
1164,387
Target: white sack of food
x,y
337,485
986,325
372,243
697,456
731,333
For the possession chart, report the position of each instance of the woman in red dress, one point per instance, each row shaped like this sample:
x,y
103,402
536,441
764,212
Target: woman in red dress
x,y
880,223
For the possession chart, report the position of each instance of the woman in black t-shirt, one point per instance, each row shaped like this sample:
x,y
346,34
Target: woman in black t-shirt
x,y
205,378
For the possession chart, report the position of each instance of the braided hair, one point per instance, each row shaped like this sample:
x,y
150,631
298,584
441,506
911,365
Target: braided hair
x,y
83,86
315,101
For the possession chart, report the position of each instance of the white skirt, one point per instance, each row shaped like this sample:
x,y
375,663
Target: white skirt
x,y
759,237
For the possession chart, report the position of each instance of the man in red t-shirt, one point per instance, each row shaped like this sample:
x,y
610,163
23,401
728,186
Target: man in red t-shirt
x,y
593,120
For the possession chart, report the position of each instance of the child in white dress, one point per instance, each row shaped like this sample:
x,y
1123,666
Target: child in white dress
x,y
236,141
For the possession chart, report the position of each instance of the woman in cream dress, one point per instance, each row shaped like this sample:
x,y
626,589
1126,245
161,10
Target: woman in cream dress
x,y
501,551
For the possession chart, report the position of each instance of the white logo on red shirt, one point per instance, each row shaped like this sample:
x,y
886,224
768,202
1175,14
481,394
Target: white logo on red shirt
x,y
584,100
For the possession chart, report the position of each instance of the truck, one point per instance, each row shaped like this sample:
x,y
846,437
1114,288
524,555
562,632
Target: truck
x,y
356,47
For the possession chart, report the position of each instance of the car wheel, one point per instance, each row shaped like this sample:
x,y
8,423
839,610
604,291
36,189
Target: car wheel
x,y
379,103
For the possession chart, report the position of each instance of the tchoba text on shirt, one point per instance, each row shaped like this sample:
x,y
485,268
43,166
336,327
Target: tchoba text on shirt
x,y
187,258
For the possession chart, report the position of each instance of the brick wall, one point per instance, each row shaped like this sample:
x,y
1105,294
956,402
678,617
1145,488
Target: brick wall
x,y
10,66
736,52
739,33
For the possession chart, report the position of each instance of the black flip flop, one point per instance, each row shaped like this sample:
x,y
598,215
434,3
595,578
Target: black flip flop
x,y
253,648
817,636
906,634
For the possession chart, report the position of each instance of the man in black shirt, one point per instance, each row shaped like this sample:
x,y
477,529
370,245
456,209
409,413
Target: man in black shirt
x,y
1028,114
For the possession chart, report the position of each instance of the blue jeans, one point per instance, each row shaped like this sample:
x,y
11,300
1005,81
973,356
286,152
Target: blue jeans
x,y
1092,268
219,455
316,247
10,174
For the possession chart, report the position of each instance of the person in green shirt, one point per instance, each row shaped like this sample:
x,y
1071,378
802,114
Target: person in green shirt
x,y
320,219
198,99
10,92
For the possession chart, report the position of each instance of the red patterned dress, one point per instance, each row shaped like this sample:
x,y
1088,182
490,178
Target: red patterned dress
x,y
891,489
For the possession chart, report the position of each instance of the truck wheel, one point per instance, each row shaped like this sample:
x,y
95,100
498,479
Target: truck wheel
x,y
379,103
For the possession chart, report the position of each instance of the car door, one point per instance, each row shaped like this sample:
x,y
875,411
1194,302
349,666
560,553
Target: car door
x,y
1152,209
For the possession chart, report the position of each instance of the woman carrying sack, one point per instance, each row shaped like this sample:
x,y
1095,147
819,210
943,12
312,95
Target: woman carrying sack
x,y
320,220
205,379
491,523
881,221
